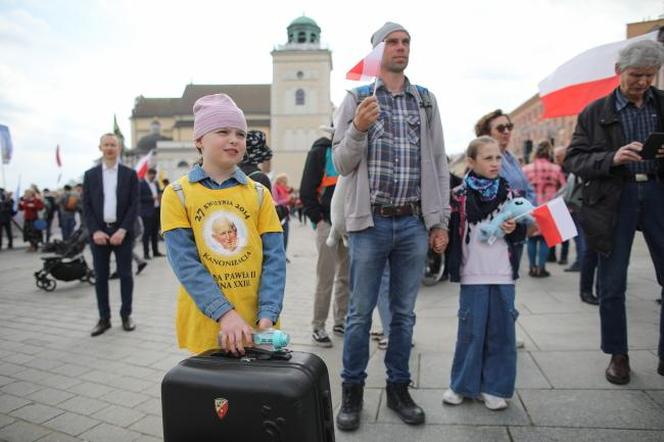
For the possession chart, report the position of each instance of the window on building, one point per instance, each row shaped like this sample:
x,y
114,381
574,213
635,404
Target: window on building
x,y
299,97
183,165
301,37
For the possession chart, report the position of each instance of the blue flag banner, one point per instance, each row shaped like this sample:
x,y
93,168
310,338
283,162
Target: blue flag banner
x,y
5,144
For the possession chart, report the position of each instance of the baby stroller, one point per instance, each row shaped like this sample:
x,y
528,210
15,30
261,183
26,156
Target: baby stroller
x,y
68,264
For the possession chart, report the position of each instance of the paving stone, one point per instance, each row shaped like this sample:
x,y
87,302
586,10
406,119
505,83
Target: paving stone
x,y
50,396
90,389
384,432
8,369
109,433
18,358
36,413
10,403
532,434
59,381
125,398
59,437
151,406
70,370
657,396
149,425
22,432
145,438
71,423
20,388
83,405
585,370
117,415
4,380
593,408
5,420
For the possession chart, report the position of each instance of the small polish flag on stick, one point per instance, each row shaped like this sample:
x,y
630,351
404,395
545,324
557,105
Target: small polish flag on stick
x,y
369,67
143,165
554,222
583,79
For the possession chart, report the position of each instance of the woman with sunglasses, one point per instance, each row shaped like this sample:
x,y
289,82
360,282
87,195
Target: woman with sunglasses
x,y
498,125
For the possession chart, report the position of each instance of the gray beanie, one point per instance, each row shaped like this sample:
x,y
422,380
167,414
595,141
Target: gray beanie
x,y
386,30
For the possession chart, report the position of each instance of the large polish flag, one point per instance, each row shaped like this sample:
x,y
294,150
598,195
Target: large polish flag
x,y
583,79
554,222
143,165
369,67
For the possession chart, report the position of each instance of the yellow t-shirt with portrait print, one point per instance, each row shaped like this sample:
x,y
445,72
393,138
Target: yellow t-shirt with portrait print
x,y
227,225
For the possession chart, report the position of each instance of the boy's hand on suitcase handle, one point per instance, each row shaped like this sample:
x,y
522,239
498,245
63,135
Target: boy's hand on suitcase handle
x,y
234,333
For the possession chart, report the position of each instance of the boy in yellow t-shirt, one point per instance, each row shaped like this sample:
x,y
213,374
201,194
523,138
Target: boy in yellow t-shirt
x,y
223,238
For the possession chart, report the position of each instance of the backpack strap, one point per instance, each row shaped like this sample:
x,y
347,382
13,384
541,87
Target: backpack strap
x,y
425,102
178,190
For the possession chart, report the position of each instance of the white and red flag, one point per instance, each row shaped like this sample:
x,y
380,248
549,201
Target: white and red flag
x,y
369,67
143,165
554,221
583,79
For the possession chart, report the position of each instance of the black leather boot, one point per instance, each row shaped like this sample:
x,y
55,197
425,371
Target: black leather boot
x,y
399,400
348,418
101,327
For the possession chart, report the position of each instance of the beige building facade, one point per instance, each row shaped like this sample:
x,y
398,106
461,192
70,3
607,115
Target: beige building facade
x,y
289,111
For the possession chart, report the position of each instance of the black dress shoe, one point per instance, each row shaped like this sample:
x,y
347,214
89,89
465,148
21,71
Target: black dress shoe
x,y
114,275
158,255
348,418
576,267
141,266
589,298
660,367
618,370
128,324
562,262
101,327
399,400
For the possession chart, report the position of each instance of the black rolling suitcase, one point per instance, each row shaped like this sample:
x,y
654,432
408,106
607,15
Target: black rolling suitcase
x,y
263,396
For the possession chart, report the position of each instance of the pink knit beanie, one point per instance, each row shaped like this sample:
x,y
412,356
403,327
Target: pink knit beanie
x,y
212,112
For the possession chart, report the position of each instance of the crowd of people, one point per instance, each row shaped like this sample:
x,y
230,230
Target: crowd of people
x,y
225,226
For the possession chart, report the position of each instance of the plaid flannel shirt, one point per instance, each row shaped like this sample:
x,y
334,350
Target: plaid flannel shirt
x,y
637,124
394,149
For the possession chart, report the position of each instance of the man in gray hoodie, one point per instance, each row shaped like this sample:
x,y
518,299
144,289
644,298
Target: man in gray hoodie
x,y
390,148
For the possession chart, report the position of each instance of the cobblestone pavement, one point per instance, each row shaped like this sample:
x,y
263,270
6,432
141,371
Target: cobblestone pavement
x,y
59,384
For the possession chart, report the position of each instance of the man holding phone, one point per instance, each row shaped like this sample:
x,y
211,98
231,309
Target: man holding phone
x,y
622,191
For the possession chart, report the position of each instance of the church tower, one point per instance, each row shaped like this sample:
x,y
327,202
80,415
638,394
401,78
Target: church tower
x,y
300,97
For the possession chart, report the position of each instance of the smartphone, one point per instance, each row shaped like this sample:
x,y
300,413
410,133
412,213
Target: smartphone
x,y
653,143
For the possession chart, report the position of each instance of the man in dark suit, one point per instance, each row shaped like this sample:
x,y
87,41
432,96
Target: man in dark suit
x,y
110,206
149,212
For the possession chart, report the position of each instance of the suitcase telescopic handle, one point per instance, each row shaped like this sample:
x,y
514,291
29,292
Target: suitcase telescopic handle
x,y
251,353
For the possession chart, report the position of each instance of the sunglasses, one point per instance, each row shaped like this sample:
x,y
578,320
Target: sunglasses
x,y
503,127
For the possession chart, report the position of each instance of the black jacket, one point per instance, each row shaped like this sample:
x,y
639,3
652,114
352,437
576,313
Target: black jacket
x,y
146,200
316,206
93,199
597,136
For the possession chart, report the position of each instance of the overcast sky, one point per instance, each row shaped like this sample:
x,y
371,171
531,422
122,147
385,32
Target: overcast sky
x,y
67,66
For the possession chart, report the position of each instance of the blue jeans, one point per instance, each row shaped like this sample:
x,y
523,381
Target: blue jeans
x,y
101,258
537,257
402,242
641,204
384,301
485,354
67,227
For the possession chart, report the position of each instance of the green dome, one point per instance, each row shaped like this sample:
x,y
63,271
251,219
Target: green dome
x,y
303,20
303,30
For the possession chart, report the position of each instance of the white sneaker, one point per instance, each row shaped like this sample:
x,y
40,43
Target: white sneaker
x,y
450,397
493,402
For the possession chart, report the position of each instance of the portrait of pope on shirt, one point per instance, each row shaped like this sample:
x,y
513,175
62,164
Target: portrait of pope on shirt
x,y
225,233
